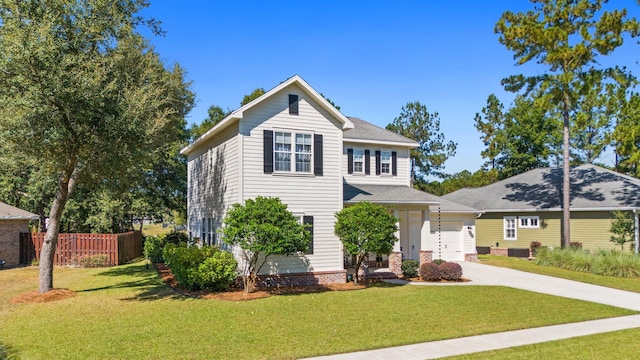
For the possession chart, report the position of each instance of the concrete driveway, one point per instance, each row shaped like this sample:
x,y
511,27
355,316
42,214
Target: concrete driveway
x,y
480,274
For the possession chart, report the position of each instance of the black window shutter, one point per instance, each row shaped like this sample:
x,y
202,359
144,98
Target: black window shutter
x,y
309,220
394,163
367,162
268,151
293,104
378,163
317,154
350,161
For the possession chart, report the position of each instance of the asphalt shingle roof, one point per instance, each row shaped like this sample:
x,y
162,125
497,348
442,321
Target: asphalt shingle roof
x,y
363,130
592,188
397,194
8,212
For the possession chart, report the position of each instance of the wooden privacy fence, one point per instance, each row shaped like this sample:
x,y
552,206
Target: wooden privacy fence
x,y
120,248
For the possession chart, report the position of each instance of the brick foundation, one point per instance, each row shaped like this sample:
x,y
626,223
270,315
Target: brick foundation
x,y
426,256
301,279
471,257
395,263
499,251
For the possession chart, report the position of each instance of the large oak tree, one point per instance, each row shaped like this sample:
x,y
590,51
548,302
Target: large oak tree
x,y
84,95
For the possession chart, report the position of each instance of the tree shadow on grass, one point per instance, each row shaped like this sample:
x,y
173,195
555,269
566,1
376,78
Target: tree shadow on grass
x,y
144,282
8,352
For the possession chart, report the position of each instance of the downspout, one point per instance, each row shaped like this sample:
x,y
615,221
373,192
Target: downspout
x,y
636,232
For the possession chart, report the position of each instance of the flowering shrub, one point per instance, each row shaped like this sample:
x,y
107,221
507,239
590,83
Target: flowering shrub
x,y
450,271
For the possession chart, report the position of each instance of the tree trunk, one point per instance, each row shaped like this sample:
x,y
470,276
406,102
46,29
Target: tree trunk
x,y
65,188
566,180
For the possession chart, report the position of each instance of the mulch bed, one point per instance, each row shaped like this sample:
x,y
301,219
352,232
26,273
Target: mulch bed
x,y
236,294
32,297
419,279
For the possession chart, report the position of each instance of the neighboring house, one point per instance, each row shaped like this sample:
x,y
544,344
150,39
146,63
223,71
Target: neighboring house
x,y
13,221
528,207
292,144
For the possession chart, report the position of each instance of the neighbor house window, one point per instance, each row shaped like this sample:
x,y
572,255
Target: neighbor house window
x,y
385,162
302,152
358,161
531,222
510,228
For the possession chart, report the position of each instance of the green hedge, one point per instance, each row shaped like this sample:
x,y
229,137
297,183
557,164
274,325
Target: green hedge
x,y
198,268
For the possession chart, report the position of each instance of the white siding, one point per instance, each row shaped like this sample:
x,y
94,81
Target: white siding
x,y
214,181
404,174
317,196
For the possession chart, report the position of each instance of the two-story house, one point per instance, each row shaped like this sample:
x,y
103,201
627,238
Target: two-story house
x,y
293,144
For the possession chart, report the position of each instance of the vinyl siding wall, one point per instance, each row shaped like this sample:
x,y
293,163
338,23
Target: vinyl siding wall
x,y
403,177
308,194
591,228
213,181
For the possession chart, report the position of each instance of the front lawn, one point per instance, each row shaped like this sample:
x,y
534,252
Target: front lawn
x,y
126,312
629,284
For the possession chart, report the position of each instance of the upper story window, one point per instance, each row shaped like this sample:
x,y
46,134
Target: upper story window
x,y
385,162
358,161
302,152
532,222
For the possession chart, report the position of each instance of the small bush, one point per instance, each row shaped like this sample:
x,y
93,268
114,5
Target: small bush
x,y
410,268
575,245
198,268
450,271
153,246
438,261
176,237
430,272
94,261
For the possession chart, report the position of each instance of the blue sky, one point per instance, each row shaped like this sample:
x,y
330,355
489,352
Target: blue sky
x,y
370,58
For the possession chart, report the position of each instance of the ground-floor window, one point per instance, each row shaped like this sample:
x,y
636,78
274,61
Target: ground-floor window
x,y
510,232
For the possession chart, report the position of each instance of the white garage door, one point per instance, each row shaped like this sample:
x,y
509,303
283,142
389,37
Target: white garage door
x,y
449,241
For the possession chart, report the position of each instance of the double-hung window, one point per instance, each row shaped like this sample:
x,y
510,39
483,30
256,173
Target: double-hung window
x,y
282,151
385,162
358,161
510,232
296,158
303,153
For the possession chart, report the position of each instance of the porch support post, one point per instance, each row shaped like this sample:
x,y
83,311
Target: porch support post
x,y
395,258
426,256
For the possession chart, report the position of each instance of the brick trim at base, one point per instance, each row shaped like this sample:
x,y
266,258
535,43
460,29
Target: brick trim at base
x,y
499,251
395,263
302,279
471,257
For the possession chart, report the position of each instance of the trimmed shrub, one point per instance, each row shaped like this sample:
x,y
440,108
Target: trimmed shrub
x,y
410,268
176,237
430,272
198,268
153,246
450,271
535,246
438,261
575,245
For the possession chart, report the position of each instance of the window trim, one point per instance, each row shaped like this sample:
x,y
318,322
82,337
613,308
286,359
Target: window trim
x,y
505,228
293,152
528,225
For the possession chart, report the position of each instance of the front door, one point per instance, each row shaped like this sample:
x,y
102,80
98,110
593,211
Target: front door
x,y
415,230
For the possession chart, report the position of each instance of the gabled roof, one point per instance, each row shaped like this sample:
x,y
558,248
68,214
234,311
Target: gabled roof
x,y
592,188
398,194
366,132
239,113
8,212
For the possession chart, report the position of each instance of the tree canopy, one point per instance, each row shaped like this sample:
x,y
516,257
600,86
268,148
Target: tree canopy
x,y
93,99
417,123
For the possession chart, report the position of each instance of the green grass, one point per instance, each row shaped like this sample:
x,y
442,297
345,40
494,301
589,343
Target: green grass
x,y
126,312
155,229
613,345
629,284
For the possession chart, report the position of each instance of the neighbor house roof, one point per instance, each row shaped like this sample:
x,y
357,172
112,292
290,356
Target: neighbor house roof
x,y
398,194
592,188
8,212
366,132
239,113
